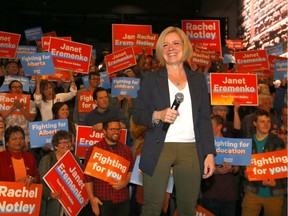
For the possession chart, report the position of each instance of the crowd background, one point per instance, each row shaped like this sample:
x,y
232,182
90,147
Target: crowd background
x,y
272,98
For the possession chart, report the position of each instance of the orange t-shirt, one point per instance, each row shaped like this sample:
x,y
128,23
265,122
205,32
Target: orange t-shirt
x,y
19,168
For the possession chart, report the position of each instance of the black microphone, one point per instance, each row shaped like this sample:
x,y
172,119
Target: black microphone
x,y
179,97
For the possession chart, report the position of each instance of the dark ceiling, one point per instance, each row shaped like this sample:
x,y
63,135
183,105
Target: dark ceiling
x,y
90,21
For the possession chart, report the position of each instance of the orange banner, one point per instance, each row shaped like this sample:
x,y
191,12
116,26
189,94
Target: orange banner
x,y
270,165
8,44
253,60
107,166
7,100
205,33
17,199
123,36
234,44
120,60
86,137
46,41
86,102
226,88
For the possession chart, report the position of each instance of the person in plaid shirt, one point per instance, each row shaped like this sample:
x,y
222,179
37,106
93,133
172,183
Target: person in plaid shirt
x,y
110,198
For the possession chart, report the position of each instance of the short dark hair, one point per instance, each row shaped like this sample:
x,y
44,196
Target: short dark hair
x,y
12,129
260,112
106,123
218,119
98,89
94,73
60,135
13,81
56,107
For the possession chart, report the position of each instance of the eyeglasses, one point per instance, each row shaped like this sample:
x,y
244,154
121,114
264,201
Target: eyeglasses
x,y
114,129
64,143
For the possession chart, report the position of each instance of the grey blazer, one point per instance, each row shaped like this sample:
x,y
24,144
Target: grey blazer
x,y
154,95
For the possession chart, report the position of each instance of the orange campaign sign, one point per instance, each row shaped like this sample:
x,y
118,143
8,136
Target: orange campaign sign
x,y
213,54
86,137
8,44
146,40
253,60
17,199
269,165
46,41
107,166
67,177
70,55
234,44
124,35
86,102
272,59
203,32
200,58
120,60
7,100
226,88
50,34
203,211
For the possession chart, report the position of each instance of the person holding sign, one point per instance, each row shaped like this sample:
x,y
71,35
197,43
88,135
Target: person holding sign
x,y
17,165
219,193
61,141
108,198
187,144
19,113
269,193
45,96
84,100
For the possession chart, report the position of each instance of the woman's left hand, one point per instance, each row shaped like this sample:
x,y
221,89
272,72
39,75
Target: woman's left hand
x,y
28,180
209,166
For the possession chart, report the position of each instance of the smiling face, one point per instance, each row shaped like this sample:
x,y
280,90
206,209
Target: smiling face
x,y
16,87
262,124
112,133
63,146
172,49
63,112
16,142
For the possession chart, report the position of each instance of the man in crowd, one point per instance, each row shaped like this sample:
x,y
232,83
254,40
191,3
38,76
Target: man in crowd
x,y
108,198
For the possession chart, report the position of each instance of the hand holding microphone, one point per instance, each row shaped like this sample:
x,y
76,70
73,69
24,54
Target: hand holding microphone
x,y
179,97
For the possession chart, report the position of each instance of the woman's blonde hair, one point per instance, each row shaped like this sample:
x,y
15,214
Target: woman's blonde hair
x,y
187,48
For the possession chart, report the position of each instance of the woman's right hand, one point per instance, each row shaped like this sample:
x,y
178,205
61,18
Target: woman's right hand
x,y
167,115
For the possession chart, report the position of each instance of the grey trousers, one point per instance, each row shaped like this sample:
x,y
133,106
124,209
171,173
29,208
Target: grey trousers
x,y
186,174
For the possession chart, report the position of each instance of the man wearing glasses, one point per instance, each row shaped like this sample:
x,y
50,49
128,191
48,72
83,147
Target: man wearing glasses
x,y
108,198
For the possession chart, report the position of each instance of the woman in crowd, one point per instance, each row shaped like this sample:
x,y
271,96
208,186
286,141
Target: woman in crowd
x,y
219,194
17,165
50,205
45,96
60,110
